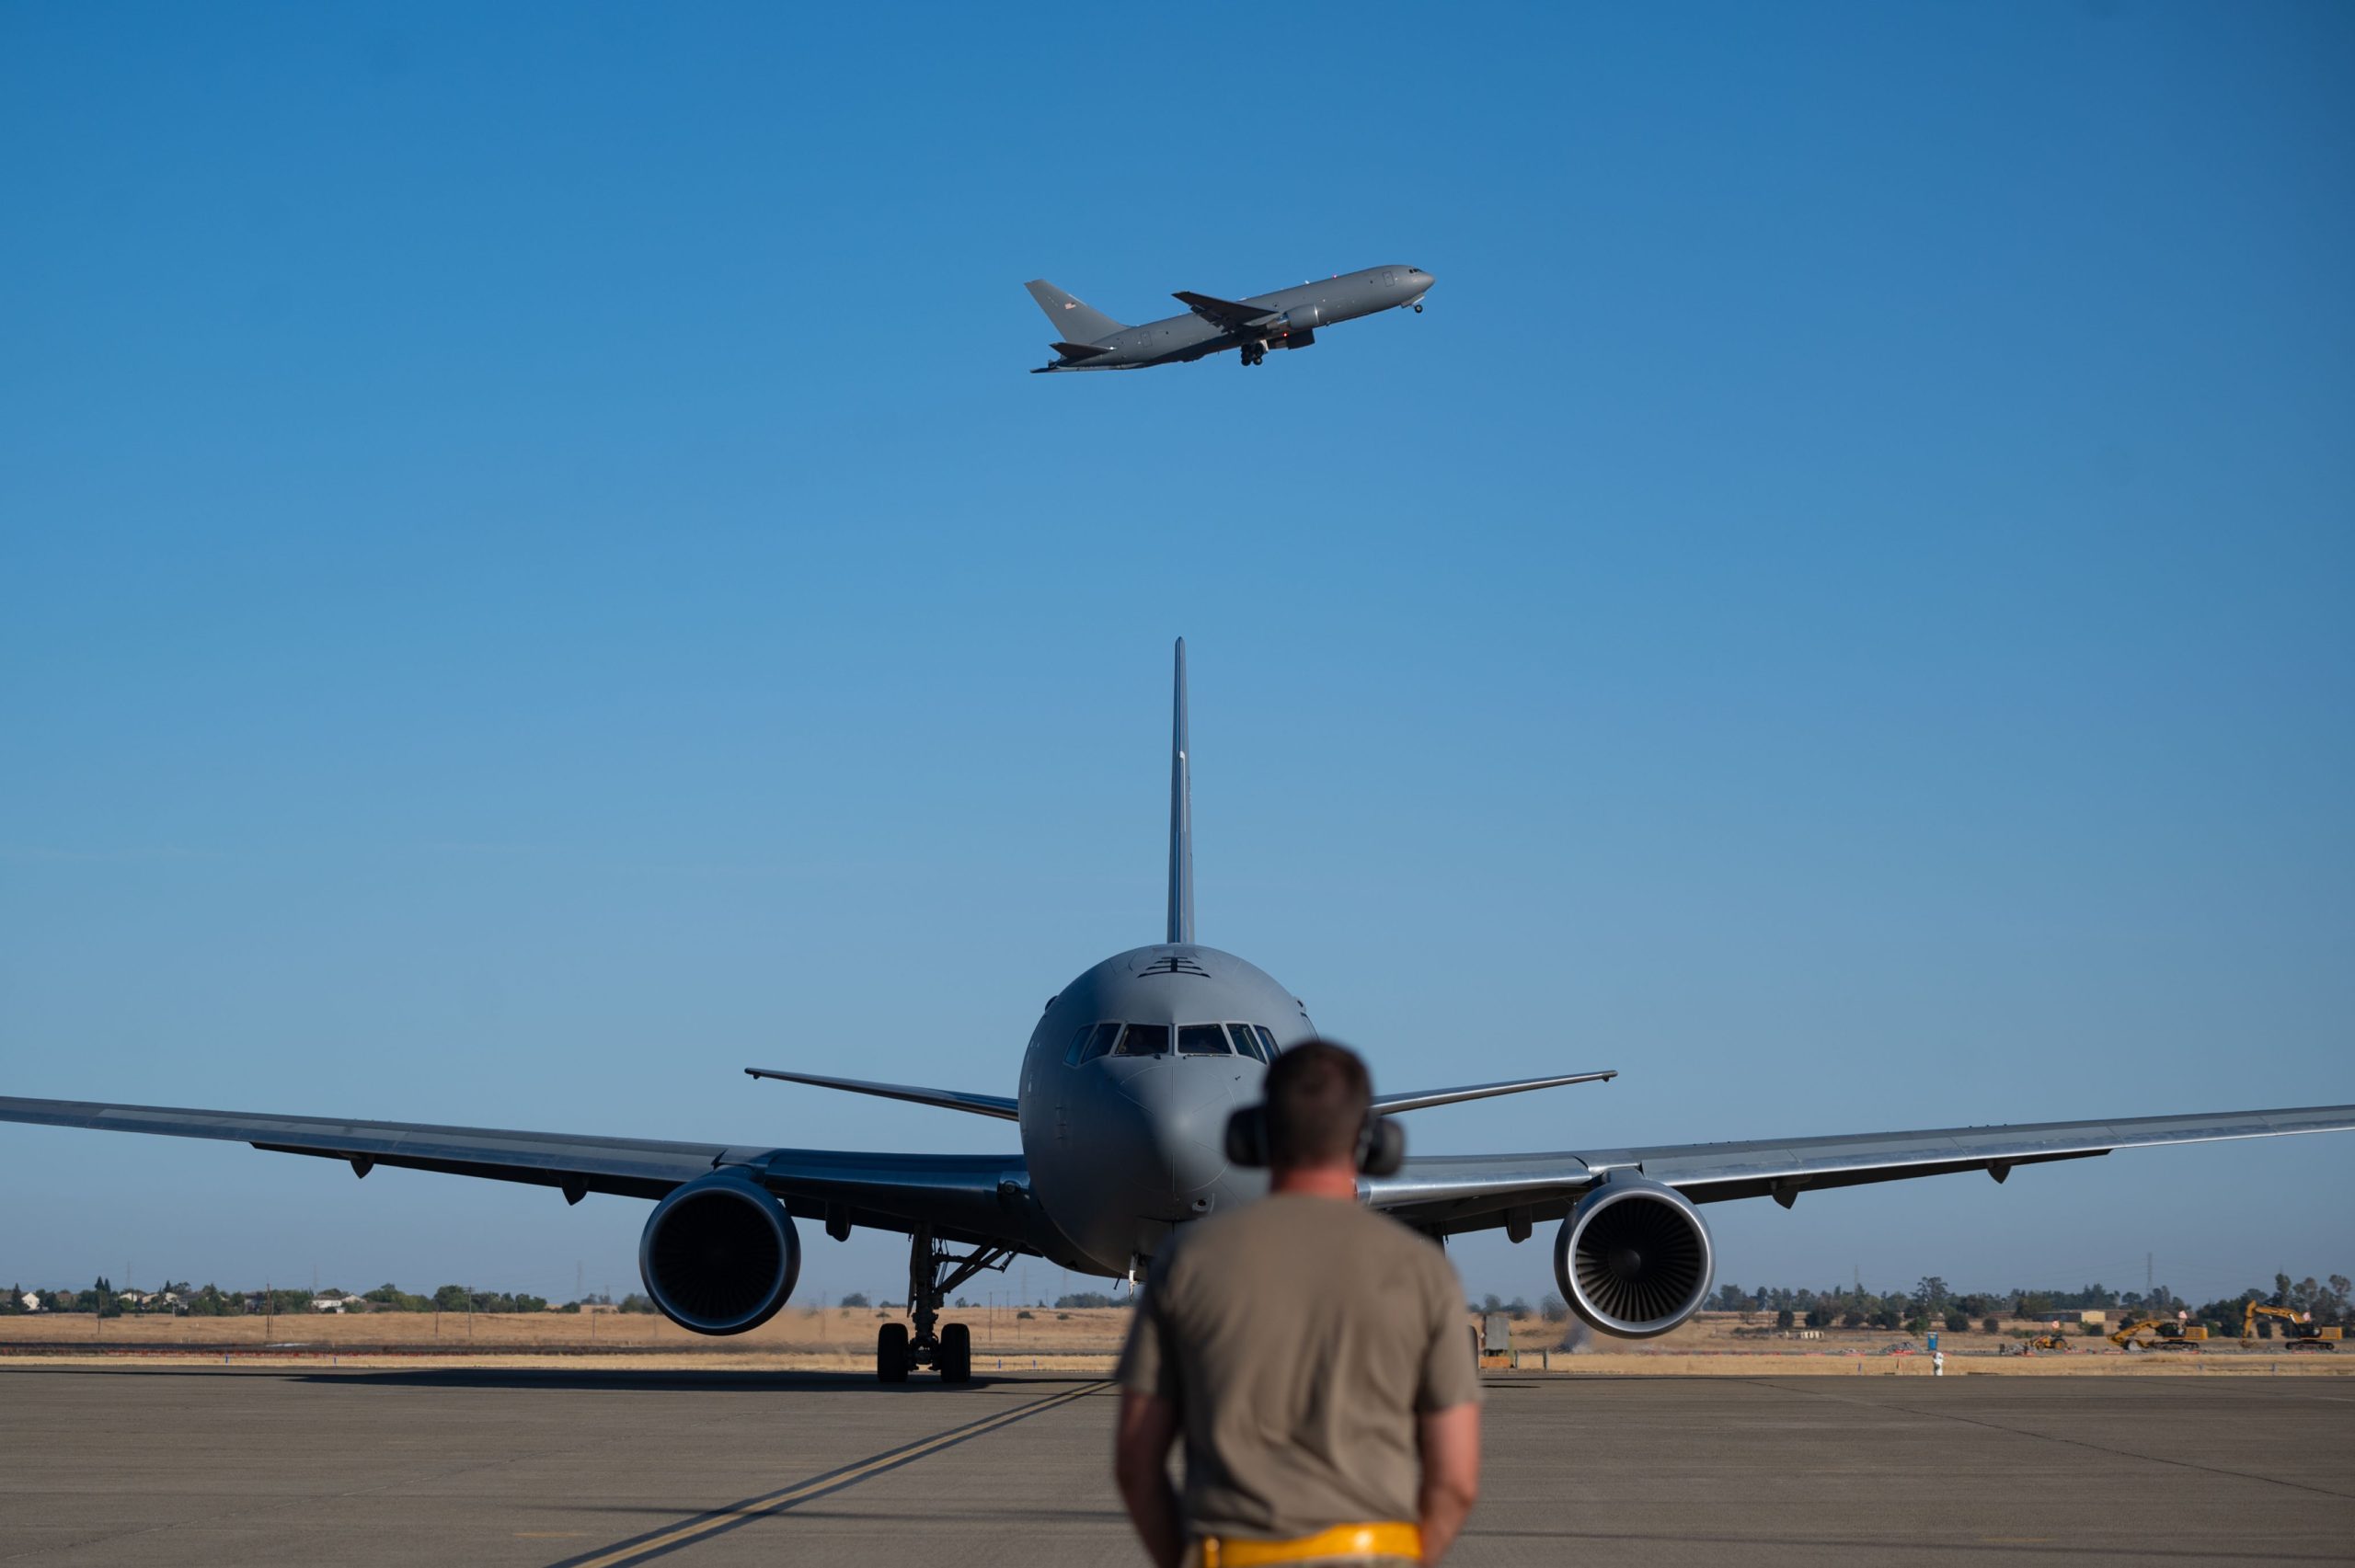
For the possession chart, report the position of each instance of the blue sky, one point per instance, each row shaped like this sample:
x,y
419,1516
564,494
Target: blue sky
x,y
531,577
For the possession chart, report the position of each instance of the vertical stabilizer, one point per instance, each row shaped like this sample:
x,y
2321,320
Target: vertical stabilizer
x,y
1075,320
1181,815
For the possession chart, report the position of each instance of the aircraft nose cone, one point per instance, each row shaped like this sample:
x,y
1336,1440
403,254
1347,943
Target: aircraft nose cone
x,y
1181,1128
1422,279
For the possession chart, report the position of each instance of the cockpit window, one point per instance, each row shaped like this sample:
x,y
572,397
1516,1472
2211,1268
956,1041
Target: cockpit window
x,y
1201,1040
1246,1042
1267,1041
1079,1044
1145,1040
1099,1040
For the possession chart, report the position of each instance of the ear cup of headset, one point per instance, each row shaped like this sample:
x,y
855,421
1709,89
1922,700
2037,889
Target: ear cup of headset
x,y
1383,1147
1247,1137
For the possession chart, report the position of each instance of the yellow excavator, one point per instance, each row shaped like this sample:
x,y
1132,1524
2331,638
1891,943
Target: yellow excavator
x,y
2049,1342
2159,1333
2302,1334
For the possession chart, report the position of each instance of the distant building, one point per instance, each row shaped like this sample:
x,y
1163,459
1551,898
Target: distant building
x,y
2093,1320
29,1302
331,1302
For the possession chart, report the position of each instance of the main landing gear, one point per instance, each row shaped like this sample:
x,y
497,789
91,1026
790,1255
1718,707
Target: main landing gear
x,y
1254,353
948,1348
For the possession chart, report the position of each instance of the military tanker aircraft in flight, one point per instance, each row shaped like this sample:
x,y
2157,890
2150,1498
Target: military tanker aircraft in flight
x,y
1087,339
1122,1103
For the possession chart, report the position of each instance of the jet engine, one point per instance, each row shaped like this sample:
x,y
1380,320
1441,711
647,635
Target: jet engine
x,y
1298,337
1633,1258
720,1256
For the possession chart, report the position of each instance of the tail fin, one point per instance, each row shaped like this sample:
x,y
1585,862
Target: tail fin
x,y
1181,814
1075,322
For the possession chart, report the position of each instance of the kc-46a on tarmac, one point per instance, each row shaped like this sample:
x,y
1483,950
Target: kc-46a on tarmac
x,y
1087,339
1126,1089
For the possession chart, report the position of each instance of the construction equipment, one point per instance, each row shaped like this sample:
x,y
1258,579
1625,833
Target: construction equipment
x,y
2159,1333
2049,1342
2302,1334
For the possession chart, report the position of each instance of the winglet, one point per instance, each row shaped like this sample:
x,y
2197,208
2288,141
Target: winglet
x,y
1181,815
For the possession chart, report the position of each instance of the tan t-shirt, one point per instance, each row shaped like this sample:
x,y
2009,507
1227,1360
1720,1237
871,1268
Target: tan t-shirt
x,y
1300,1338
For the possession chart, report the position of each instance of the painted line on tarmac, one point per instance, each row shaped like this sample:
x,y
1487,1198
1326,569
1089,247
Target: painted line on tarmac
x,y
734,1515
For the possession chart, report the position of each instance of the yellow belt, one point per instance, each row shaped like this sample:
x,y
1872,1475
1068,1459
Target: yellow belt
x,y
1340,1544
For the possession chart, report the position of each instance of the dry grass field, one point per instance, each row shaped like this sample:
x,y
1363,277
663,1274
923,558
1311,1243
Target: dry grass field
x,y
1079,1341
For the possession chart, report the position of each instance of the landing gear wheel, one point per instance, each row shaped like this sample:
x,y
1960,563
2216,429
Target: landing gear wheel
x,y
892,1353
956,1354
1419,310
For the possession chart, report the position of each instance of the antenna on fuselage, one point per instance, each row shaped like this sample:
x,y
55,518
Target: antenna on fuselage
x,y
1181,815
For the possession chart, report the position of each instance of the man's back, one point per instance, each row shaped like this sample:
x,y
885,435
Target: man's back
x,y
1298,1338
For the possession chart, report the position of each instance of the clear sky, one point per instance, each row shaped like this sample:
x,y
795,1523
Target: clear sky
x,y
533,578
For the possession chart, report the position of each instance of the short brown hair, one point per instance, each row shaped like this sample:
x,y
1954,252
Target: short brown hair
x,y
1318,1096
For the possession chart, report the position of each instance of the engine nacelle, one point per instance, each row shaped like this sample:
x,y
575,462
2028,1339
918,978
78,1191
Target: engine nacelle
x,y
720,1256
1633,1258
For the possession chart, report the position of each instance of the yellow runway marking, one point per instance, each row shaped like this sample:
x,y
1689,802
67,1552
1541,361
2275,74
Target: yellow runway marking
x,y
771,1503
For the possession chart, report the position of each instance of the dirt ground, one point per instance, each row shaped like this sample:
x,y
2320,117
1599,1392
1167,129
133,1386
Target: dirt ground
x,y
1078,1341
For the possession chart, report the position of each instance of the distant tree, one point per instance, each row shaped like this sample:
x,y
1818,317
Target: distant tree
x,y
1553,1310
1489,1303
1732,1299
1958,1322
1818,1317
1082,1299
1930,1294
1853,1318
857,1298
634,1302
452,1298
1993,1325
1917,1325
1785,1318
1026,1312
1518,1306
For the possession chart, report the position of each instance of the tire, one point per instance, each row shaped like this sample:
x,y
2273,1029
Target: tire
x,y
956,1354
892,1353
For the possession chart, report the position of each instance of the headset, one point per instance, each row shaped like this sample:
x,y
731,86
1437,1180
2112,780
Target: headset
x,y
1380,1150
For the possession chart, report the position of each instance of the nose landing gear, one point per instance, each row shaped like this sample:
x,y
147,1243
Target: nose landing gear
x,y
948,1348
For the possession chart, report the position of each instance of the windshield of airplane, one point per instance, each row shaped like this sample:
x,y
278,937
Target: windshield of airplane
x,y
1201,1040
1145,1040
1093,1040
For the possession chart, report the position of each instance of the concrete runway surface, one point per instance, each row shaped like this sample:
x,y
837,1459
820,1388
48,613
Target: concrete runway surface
x,y
608,1468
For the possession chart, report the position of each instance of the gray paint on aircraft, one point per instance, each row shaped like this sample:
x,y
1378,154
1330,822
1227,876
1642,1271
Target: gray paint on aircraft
x,y
1087,339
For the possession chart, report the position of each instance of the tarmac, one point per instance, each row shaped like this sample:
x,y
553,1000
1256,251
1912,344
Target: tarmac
x,y
602,1468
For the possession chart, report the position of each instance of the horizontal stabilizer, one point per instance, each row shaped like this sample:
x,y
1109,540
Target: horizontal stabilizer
x,y
1391,1104
1222,313
999,1106
1080,351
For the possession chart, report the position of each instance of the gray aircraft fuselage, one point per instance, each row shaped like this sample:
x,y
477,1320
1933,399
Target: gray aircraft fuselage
x,y
1123,1148
1297,315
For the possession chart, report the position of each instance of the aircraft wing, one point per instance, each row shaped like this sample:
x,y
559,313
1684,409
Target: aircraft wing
x,y
1449,1192
1222,313
972,1197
